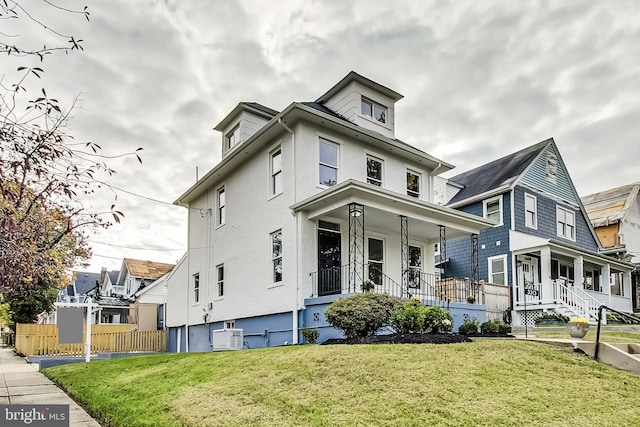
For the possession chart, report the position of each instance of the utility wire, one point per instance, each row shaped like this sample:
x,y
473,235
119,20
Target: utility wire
x,y
137,248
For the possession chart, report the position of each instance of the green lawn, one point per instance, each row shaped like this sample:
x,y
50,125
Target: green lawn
x,y
606,335
487,382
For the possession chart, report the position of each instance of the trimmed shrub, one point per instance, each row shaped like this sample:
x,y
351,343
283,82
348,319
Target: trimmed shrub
x,y
438,320
495,327
361,314
311,335
410,317
469,326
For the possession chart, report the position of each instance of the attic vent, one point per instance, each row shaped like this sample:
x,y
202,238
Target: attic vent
x,y
552,167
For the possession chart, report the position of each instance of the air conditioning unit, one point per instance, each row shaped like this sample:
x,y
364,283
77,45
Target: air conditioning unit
x,y
227,339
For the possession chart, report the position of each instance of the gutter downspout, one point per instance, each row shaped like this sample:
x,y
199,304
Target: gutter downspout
x,y
294,313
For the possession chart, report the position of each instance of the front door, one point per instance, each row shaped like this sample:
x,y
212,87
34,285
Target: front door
x,y
529,279
329,258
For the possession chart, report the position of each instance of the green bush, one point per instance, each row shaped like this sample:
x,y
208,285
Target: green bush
x,y
438,320
410,317
469,326
495,327
311,335
361,314
551,318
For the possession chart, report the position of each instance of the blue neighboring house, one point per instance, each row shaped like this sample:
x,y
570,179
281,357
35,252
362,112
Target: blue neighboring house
x,y
543,246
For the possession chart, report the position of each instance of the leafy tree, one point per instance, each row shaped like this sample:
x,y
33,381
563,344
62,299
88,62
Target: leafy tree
x,y
44,174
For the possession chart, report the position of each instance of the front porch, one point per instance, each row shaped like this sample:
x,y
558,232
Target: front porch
x,y
571,282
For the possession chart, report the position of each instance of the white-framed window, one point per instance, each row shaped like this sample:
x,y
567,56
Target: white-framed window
x,y
551,170
436,249
497,269
415,266
616,284
233,137
530,211
373,110
328,160
221,205
220,280
196,287
230,324
276,172
592,279
566,220
374,170
276,255
413,184
492,209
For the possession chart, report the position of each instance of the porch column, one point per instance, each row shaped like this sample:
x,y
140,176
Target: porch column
x,y
356,246
443,250
474,268
404,252
605,282
626,285
545,274
578,271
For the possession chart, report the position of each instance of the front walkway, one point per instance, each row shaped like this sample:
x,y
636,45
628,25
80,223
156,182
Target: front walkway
x,y
21,383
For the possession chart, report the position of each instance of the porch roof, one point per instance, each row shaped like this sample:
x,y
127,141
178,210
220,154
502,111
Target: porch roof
x,y
426,217
523,244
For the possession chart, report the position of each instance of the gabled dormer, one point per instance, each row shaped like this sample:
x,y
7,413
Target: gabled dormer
x,y
241,123
363,102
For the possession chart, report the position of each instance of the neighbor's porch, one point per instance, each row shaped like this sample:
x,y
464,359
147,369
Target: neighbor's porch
x,y
572,283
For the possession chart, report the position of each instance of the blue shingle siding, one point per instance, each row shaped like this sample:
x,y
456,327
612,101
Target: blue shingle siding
x,y
459,250
547,220
536,177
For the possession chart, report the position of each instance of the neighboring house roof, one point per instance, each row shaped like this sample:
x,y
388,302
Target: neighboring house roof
x,y
147,269
496,174
610,206
86,281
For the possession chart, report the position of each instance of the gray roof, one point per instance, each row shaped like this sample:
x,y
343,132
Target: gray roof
x,y
86,281
502,172
261,107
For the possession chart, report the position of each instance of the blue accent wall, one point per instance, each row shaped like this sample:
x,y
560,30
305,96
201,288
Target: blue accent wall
x,y
547,220
491,242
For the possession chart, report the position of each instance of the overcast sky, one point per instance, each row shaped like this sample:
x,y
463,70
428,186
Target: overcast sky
x,y
480,79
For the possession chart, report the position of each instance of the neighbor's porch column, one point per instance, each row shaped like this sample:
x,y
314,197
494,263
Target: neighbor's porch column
x,y
578,272
356,246
605,282
545,274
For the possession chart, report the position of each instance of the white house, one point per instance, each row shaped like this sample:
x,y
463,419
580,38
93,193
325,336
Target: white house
x,y
305,205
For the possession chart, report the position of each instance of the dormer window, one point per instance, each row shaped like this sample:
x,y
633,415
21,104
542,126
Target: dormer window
x,y
232,138
374,110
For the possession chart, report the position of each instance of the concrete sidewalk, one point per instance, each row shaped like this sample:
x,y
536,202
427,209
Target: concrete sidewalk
x,y
22,383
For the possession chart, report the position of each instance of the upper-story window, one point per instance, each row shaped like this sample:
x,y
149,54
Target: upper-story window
x,y
530,211
221,206
276,172
328,163
374,171
232,138
413,184
492,209
566,220
374,110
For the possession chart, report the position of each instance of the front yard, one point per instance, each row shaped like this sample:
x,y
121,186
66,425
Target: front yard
x,y
487,382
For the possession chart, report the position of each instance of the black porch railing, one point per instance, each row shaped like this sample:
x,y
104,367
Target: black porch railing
x,y
626,316
424,286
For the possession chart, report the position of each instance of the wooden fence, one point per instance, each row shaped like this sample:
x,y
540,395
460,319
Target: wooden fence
x,y
496,298
42,340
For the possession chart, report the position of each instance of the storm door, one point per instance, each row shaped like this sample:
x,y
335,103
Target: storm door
x,y
329,258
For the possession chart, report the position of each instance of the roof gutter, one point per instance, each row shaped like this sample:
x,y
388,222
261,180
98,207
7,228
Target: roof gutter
x,y
481,196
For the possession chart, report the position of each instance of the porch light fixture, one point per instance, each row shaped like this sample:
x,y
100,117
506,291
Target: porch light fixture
x,y
356,213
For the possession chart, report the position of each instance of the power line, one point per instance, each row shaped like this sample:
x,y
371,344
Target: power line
x,y
147,198
137,248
